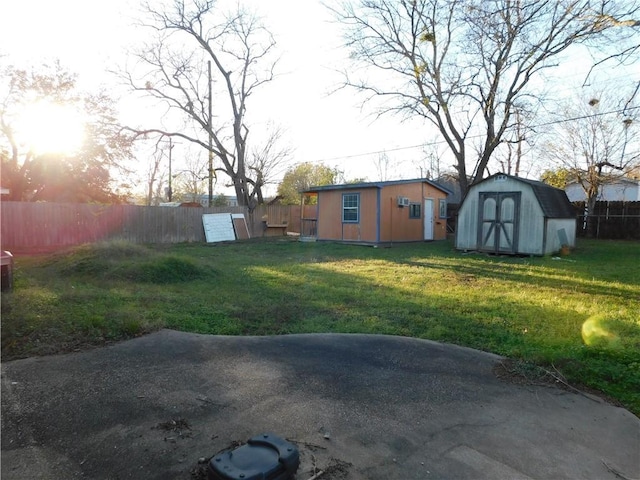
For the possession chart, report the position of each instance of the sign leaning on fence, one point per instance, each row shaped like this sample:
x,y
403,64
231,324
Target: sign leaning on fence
x,y
222,227
240,226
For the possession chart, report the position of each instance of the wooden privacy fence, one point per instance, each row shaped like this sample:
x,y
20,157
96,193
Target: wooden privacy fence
x,y
39,227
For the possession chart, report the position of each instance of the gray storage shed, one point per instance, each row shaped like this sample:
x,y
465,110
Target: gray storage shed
x,y
513,215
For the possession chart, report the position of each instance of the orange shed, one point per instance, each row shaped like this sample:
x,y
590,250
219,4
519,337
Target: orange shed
x,y
379,212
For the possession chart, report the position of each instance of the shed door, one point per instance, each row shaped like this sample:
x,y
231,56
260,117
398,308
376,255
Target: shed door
x,y
428,218
499,213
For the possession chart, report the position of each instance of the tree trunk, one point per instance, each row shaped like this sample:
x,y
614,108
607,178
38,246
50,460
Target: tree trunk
x,y
592,220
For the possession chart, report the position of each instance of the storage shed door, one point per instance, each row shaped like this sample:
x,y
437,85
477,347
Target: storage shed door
x,y
499,214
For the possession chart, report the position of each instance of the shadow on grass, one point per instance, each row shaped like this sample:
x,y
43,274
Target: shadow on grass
x,y
561,279
297,297
272,288
311,299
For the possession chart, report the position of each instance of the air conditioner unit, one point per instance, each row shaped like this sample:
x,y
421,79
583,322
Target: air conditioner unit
x,y
403,201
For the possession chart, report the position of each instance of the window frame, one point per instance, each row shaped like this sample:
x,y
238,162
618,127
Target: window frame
x,y
442,208
412,208
351,209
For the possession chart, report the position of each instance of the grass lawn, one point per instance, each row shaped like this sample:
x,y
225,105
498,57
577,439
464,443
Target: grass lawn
x,y
578,316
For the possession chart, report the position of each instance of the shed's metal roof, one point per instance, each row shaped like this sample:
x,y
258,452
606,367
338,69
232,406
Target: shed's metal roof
x,y
553,201
352,186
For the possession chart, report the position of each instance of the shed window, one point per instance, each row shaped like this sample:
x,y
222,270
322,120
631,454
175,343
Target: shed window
x,y
414,210
443,208
351,207
489,208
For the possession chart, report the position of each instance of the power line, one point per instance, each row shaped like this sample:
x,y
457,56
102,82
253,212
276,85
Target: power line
x,y
583,117
471,137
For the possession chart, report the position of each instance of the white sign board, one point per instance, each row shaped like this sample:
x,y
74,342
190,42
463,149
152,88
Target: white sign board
x,y
218,227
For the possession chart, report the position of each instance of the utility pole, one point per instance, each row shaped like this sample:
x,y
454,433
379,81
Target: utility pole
x,y
170,192
520,137
210,140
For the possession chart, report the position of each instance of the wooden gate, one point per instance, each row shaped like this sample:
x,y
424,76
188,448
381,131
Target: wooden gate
x,y
499,214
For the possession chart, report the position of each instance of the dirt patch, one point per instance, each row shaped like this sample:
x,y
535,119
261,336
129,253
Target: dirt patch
x,y
199,472
336,470
526,373
43,343
174,425
175,429
523,373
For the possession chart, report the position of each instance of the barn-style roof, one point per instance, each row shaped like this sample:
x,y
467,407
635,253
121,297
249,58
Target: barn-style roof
x,y
360,185
553,201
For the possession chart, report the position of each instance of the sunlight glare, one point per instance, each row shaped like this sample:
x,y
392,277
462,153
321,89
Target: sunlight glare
x,y
47,127
595,332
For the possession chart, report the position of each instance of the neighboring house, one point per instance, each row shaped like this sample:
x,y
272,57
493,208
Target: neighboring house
x,y
513,215
378,213
203,199
618,190
180,204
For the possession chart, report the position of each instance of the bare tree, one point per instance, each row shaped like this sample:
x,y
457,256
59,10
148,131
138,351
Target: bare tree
x,y
466,65
515,142
268,161
155,174
624,50
205,73
159,191
430,165
595,144
191,180
384,166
